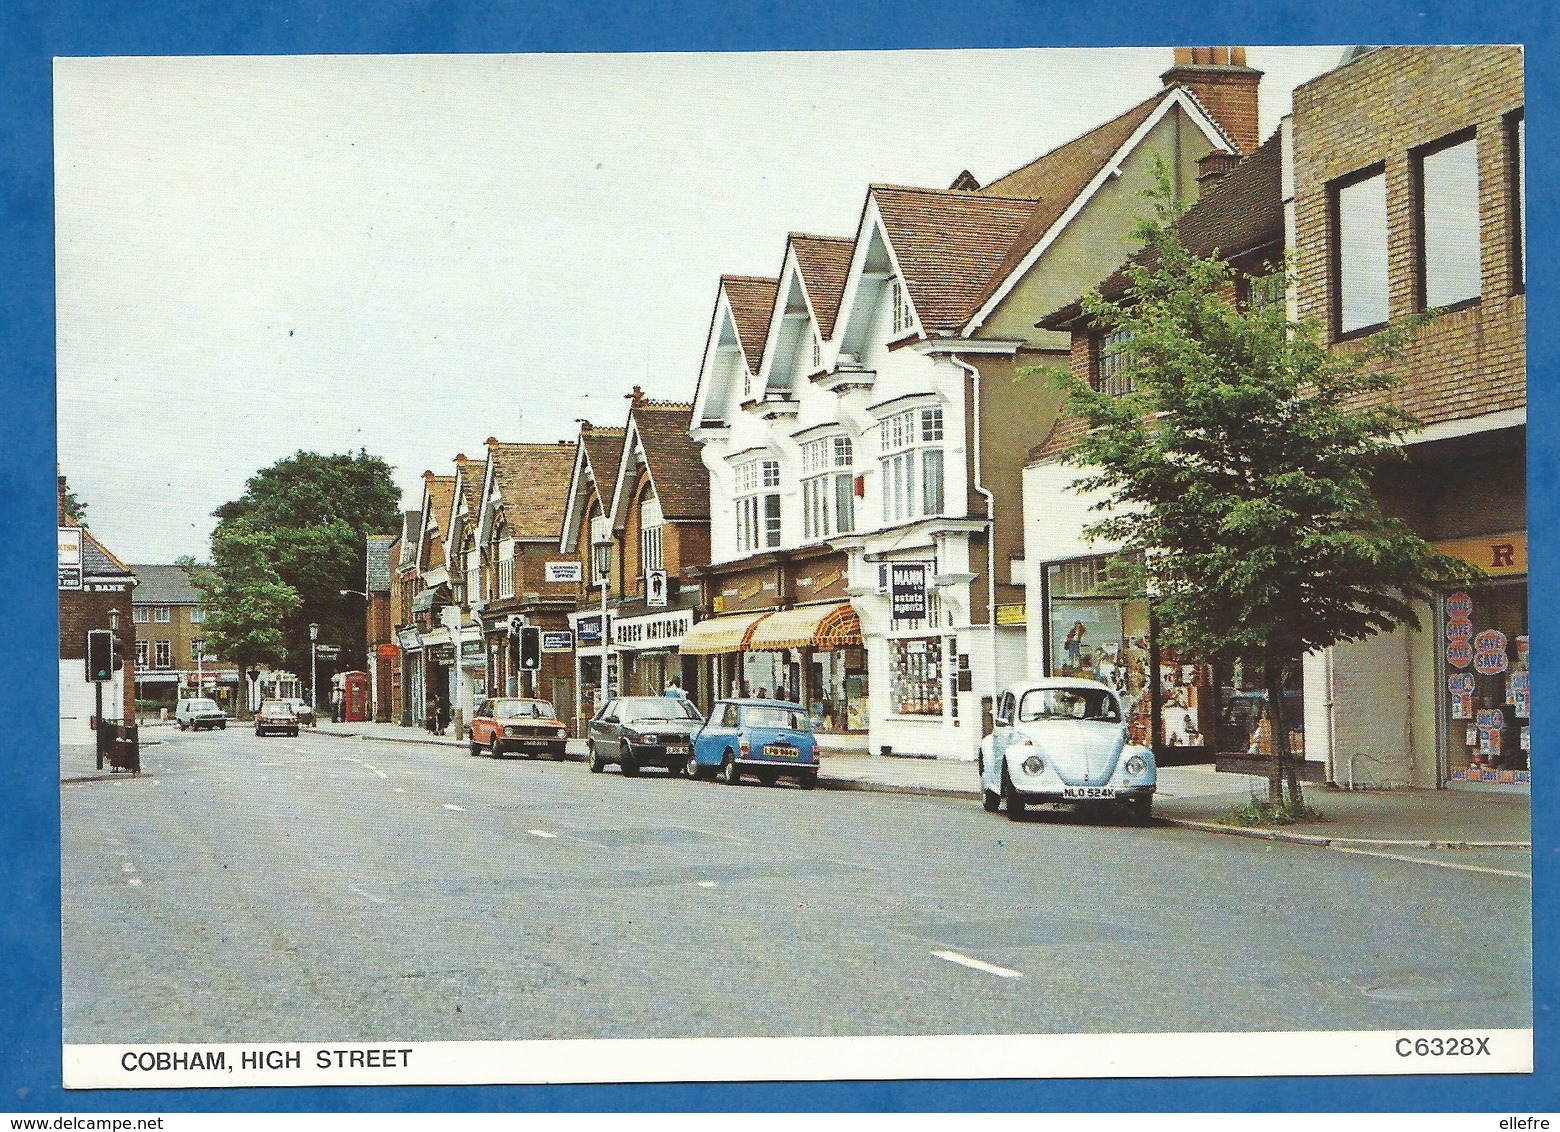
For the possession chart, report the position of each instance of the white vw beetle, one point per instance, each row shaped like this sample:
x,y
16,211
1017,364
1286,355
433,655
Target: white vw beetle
x,y
1062,740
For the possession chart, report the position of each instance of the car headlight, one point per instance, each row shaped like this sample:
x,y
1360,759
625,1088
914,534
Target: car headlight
x,y
1034,764
1136,765
650,739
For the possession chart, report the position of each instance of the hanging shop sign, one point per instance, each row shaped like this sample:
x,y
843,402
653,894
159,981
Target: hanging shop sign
x,y
564,572
410,640
441,654
472,650
655,589
907,590
70,558
388,652
589,629
559,641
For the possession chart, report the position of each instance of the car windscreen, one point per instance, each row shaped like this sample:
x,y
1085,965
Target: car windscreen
x,y
1069,703
276,707
642,709
200,705
766,716
523,709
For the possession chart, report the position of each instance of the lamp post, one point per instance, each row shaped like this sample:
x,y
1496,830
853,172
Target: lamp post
x,y
314,669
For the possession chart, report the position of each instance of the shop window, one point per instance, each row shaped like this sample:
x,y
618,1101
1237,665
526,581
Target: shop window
x,y
1098,633
916,676
650,535
164,654
1446,184
164,614
758,505
1359,253
911,466
1516,188
141,615
1485,738
1112,369
828,495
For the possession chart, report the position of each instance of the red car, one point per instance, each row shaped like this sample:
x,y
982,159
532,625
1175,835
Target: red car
x,y
529,727
276,716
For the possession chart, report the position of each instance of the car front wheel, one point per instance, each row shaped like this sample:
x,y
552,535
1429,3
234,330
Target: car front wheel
x,y
627,763
692,768
729,774
597,764
1015,804
494,748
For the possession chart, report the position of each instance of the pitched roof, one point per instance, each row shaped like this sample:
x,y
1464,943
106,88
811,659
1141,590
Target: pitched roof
x,y
470,483
164,585
681,481
441,493
378,569
533,485
1238,213
752,300
948,244
603,448
1056,179
824,262
411,535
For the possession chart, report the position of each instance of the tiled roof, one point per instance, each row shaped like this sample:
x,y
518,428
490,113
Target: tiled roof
x,y
682,483
1056,179
948,244
533,486
411,532
824,263
603,449
1240,212
97,560
378,571
441,493
752,302
470,484
164,585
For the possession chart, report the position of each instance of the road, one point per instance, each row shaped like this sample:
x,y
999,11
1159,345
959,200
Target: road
x,y
324,888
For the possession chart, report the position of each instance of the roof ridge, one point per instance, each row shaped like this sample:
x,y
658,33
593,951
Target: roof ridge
x,y
1133,109
816,236
749,279
961,194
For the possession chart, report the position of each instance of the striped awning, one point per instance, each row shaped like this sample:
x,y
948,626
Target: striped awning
x,y
807,626
720,634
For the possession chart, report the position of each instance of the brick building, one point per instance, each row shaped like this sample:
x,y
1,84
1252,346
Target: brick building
x,y
94,586
380,653
405,583
170,647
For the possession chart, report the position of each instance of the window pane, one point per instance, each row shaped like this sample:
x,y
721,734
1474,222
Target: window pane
x,y
932,481
1362,254
844,504
771,520
1450,223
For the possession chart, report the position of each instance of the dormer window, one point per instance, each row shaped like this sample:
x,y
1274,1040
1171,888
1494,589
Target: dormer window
x,y
758,505
902,321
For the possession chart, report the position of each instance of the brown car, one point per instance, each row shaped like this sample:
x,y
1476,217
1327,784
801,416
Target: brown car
x,y
528,727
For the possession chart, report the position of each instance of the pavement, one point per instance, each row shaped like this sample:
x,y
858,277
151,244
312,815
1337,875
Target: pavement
x,y
1193,797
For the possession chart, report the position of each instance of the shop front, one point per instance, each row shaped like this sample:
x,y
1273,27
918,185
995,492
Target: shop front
x,y
413,706
596,671
1485,694
472,685
648,648
1186,711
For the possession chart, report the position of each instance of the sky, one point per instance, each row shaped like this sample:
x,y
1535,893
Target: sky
x,y
409,254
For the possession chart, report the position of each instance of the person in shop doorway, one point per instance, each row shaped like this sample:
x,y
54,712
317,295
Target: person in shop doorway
x,y
435,710
674,690
1074,644
761,694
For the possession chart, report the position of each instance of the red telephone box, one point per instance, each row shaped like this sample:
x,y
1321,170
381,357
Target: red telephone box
x,y
355,690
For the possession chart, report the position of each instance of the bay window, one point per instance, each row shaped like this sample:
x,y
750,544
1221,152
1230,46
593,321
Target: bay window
x,y
828,487
758,505
911,465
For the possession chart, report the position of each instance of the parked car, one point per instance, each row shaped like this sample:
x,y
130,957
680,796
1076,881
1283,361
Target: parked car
x,y
641,731
769,739
199,714
276,717
1064,741
528,726
303,711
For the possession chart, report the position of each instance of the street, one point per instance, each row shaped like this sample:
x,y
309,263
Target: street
x,y
324,888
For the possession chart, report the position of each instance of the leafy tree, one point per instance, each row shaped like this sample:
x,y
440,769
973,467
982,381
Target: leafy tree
x,y
1237,474
75,509
246,601
304,519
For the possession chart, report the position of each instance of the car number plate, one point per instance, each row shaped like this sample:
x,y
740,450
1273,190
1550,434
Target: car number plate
x,y
535,742
1088,792
672,750
781,751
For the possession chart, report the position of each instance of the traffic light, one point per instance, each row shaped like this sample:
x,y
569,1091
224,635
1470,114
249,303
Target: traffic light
x,y
100,655
530,648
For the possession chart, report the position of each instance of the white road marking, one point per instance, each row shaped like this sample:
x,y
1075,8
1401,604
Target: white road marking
x,y
134,882
453,806
376,770
398,790
705,883
1428,861
370,896
540,833
126,866
979,965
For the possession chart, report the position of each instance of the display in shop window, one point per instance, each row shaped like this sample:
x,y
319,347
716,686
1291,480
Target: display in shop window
x,y
916,676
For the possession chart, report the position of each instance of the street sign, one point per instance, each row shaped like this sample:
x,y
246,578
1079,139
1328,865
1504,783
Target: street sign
x,y
655,589
561,641
70,558
327,651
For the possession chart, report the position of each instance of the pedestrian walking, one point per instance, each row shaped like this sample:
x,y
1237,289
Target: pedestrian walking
x,y
337,706
674,689
435,708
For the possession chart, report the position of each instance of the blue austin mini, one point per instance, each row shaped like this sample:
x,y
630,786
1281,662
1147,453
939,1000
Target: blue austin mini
x,y
769,739
1064,741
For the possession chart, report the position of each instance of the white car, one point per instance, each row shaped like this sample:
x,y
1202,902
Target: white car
x,y
1064,741
195,714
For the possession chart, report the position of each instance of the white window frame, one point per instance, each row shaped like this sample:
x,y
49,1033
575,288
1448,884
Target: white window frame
x,y
828,487
506,572
651,550
141,615
197,615
911,444
164,654
143,652
473,577
164,615
758,505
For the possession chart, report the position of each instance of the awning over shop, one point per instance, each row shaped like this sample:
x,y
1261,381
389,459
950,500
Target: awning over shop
x,y
808,626
721,634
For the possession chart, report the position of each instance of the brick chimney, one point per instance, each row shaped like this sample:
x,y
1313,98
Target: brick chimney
x,y
1226,87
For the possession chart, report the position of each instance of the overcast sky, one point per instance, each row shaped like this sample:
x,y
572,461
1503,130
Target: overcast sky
x,y
410,254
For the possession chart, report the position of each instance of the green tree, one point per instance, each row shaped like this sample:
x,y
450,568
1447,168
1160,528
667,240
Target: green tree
x,y
304,519
75,509
1236,474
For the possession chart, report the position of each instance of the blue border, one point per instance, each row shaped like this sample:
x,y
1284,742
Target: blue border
x,y
33,31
